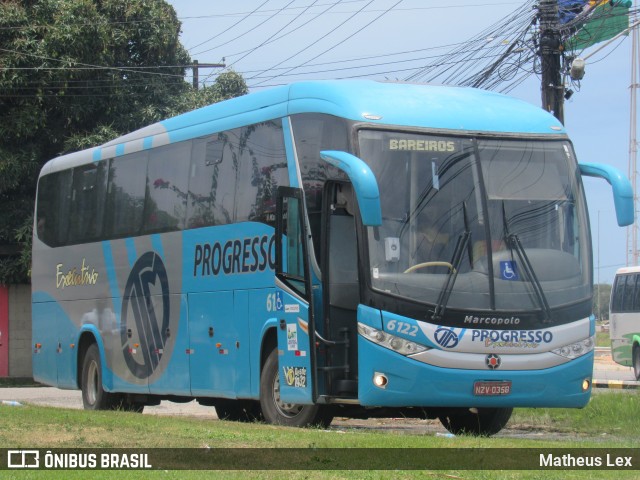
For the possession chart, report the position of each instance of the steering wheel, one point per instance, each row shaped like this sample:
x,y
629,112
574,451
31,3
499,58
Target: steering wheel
x,y
418,266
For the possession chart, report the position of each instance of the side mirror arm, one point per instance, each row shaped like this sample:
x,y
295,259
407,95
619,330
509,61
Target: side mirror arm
x,y
621,186
364,183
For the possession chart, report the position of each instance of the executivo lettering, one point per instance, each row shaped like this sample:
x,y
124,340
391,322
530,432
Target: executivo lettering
x,y
75,277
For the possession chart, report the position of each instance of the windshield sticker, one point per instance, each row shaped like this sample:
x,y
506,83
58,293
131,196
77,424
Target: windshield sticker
x,y
509,271
434,176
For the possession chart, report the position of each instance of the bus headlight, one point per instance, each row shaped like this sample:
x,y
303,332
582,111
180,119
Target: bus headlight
x,y
397,344
577,349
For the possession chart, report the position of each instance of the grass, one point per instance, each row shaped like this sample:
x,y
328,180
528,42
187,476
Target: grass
x,y
603,339
611,416
609,421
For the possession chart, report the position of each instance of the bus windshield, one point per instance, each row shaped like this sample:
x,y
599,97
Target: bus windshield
x,y
504,218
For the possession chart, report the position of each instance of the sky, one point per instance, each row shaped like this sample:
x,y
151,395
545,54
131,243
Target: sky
x,y
361,38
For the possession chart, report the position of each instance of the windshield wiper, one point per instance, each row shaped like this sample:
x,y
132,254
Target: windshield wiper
x,y
464,240
513,242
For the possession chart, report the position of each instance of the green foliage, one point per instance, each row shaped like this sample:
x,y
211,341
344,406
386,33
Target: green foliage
x,y
601,298
75,74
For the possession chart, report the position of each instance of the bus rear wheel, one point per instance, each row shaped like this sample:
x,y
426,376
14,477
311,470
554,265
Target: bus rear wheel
x,y
93,395
278,412
475,421
636,361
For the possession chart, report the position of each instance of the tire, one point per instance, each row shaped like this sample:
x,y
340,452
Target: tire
x,y
93,395
477,422
238,410
279,413
636,361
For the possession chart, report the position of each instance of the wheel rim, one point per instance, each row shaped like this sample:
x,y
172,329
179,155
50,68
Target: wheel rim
x,y
288,410
92,383
636,363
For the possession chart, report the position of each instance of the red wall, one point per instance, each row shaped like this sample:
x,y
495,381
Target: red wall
x,y
4,330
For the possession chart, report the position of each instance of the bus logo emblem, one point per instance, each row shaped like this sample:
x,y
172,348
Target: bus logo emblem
x,y
146,299
446,337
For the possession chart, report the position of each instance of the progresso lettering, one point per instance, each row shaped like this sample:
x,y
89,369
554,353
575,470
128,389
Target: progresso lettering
x,y
514,336
247,255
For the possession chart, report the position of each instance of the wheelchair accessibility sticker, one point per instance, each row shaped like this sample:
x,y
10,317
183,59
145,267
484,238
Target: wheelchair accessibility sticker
x,y
509,271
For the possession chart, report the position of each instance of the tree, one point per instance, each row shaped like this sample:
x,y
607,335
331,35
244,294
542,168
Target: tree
x,y
601,298
75,74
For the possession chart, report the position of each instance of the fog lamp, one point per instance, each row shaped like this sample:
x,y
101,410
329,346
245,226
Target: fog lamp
x,y
380,380
586,383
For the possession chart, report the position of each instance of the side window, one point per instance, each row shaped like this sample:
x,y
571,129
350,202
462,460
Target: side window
x,y
87,203
167,179
627,304
636,292
618,293
212,180
263,168
52,216
314,133
125,195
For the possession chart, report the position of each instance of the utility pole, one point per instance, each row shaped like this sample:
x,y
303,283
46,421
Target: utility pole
x,y
551,56
196,66
632,230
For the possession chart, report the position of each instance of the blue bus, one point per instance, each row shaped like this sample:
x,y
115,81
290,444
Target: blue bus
x,y
334,248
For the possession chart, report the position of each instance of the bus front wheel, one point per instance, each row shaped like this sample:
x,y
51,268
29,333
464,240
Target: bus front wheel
x,y
278,412
636,361
475,421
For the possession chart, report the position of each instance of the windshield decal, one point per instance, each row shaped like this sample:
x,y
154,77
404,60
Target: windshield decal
x,y
509,271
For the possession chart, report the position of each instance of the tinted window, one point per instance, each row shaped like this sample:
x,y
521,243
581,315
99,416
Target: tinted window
x,y
212,180
54,195
623,284
87,203
126,192
167,178
629,295
263,168
314,133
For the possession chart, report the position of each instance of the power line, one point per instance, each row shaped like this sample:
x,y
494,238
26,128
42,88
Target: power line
x,y
270,39
81,64
408,9
232,26
318,40
343,40
246,31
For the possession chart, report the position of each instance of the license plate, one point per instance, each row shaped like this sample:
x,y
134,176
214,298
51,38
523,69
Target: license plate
x,y
491,389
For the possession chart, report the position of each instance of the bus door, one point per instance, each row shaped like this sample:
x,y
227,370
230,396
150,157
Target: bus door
x,y
341,290
294,301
